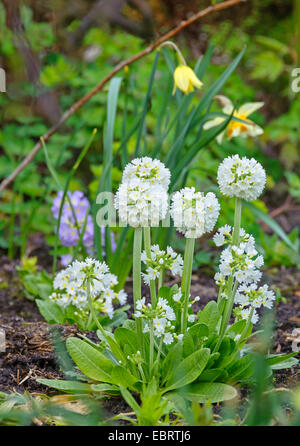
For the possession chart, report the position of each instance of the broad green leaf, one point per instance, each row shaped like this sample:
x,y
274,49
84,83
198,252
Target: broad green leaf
x,y
122,377
89,360
106,389
127,337
213,358
211,375
291,362
241,369
209,315
276,359
199,330
188,345
50,311
227,346
172,361
188,370
237,327
66,386
212,392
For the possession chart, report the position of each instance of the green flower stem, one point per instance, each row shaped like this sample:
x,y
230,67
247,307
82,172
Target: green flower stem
x,y
92,310
109,341
186,280
151,333
142,372
231,284
175,47
159,352
237,221
136,275
147,243
161,278
89,320
221,289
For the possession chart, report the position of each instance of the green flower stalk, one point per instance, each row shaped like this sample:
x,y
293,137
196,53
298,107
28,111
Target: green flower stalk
x,y
241,178
147,242
231,287
194,214
186,280
136,275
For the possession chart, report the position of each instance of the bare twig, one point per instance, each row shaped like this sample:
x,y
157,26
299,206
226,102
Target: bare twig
x,y
184,24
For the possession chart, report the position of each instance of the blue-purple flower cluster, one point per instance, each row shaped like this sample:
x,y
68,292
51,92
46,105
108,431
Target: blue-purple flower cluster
x,y
74,221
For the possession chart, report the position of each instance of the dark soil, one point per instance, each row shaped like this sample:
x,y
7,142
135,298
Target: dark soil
x,y
29,352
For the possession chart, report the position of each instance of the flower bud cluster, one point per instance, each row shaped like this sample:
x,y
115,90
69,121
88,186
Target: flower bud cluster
x,y
161,261
71,287
160,318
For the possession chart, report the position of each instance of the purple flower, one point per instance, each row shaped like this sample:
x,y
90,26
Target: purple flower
x,y
79,201
88,237
68,234
66,259
70,229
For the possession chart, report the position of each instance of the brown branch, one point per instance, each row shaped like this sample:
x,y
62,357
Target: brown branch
x,y
184,24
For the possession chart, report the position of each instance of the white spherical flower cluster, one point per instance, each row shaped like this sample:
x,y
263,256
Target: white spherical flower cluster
x,y
70,286
252,297
241,177
142,198
147,171
194,213
160,317
141,205
161,261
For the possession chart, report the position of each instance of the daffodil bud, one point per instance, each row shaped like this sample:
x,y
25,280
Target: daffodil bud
x,y
185,79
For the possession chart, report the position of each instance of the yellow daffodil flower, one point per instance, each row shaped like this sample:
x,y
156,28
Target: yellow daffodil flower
x,y
185,79
236,128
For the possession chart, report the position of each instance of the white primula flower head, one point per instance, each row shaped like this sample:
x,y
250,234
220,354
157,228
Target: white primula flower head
x,y
141,205
161,261
147,171
244,313
158,318
241,177
241,263
70,286
255,296
224,236
194,213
